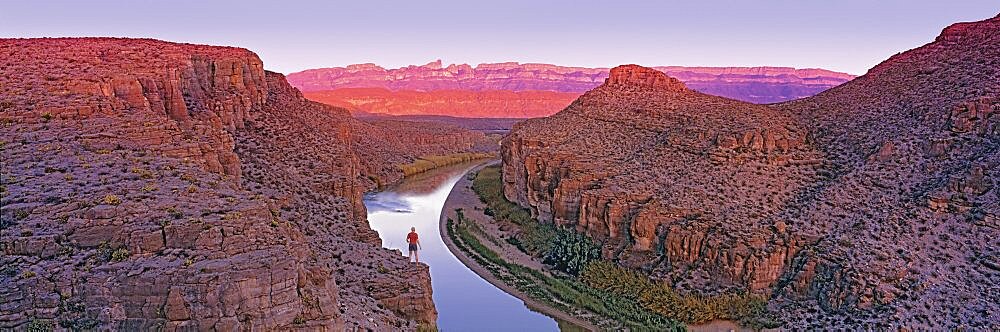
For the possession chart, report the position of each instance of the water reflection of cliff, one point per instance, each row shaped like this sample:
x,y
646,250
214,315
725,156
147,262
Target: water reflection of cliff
x,y
427,182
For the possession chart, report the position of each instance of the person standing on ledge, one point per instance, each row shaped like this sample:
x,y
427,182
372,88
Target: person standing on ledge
x,y
414,242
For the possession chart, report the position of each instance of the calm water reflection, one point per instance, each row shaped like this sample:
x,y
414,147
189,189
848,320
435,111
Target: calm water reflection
x,y
465,302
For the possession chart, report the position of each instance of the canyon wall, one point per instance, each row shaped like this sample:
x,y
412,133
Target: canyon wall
x,y
386,144
150,185
870,205
513,90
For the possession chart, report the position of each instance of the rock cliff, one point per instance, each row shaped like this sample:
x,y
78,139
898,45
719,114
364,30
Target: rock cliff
x,y
148,185
456,103
872,204
513,76
542,82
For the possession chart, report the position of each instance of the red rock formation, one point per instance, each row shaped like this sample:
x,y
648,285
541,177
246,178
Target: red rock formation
x,y
752,84
149,185
591,167
457,103
871,205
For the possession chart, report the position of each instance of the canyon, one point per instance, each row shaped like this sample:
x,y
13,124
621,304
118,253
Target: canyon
x,y
156,185
151,185
514,90
870,205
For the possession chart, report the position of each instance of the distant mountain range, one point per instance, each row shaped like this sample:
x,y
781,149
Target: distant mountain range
x,y
543,89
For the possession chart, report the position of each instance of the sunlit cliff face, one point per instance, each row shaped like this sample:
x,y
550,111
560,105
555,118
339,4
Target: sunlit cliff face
x,y
512,90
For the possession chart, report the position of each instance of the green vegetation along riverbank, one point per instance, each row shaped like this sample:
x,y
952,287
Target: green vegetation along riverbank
x,y
564,270
426,163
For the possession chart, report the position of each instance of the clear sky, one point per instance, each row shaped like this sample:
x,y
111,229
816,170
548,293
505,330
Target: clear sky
x,y
843,35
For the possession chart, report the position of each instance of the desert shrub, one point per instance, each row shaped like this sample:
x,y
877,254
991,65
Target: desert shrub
x,y
534,238
426,163
174,213
107,253
39,325
748,309
427,328
570,251
119,254
111,199
6,105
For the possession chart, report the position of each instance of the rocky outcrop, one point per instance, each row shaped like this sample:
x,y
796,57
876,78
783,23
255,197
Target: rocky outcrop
x,y
589,167
153,185
870,205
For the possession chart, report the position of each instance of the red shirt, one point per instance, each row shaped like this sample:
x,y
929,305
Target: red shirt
x,y
411,238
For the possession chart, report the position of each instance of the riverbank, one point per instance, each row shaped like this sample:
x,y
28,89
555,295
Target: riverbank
x,y
496,237
464,301
463,197
426,163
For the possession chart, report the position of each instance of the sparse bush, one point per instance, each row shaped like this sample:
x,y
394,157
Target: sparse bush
x,y
119,255
427,328
570,252
426,163
535,238
39,325
174,213
6,105
111,199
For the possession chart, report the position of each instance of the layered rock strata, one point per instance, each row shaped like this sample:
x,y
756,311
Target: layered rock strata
x,y
753,84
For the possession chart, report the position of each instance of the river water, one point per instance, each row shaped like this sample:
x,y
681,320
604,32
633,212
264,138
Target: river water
x,y
465,302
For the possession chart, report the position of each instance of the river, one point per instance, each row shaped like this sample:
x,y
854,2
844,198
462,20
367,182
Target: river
x,y
465,302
